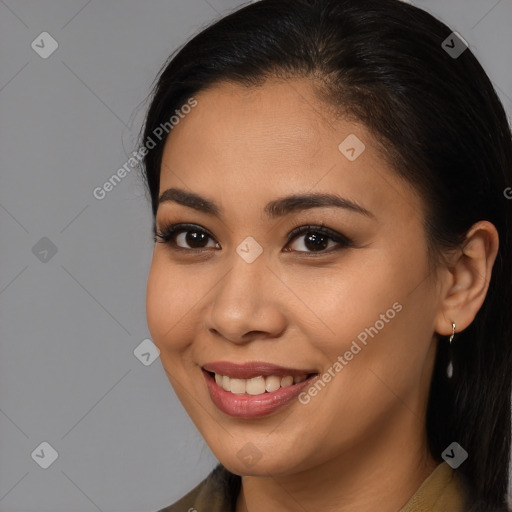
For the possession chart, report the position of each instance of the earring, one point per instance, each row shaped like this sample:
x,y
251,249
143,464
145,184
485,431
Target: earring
x,y
449,369
453,333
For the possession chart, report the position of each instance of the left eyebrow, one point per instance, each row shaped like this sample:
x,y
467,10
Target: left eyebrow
x,y
289,204
274,209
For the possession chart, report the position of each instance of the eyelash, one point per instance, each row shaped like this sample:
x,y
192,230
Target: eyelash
x,y
168,232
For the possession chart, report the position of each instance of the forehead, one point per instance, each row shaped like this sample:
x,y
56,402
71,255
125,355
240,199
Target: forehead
x,y
280,122
280,115
270,139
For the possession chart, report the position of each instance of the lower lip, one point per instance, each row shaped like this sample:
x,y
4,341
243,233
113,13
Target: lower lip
x,y
252,406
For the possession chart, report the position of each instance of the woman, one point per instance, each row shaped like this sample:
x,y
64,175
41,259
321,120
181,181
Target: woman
x,y
331,287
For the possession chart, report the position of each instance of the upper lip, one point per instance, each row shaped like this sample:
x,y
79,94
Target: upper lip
x,y
253,369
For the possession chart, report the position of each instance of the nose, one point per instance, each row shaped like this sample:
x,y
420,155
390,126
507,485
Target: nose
x,y
246,304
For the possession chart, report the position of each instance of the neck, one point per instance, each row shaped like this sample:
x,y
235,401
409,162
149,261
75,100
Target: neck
x,y
380,475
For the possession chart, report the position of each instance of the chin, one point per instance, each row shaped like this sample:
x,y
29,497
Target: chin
x,y
258,467
244,458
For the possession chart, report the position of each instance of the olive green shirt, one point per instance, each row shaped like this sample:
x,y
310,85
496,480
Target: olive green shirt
x,y
443,491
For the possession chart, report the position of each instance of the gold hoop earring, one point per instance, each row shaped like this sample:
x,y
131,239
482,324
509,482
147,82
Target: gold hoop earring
x,y
453,333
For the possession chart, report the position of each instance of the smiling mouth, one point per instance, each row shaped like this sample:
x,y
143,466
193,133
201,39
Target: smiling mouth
x,y
254,389
258,385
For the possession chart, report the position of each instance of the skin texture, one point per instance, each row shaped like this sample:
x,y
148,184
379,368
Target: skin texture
x,y
363,437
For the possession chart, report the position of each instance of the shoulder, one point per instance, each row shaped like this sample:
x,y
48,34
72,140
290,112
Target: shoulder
x,y
216,493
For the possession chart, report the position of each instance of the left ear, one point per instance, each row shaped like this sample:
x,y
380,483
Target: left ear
x,y
466,280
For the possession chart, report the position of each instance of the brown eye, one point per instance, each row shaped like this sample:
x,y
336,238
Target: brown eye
x,y
185,236
194,239
318,239
314,242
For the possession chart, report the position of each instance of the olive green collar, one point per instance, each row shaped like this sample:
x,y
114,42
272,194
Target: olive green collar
x,y
442,490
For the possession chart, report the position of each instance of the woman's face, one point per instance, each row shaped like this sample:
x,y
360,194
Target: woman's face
x,y
355,307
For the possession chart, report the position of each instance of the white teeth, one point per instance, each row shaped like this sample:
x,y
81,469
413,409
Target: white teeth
x,y
272,383
286,381
257,385
237,386
226,383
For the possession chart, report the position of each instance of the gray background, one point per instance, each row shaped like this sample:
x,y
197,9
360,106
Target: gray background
x,y
71,322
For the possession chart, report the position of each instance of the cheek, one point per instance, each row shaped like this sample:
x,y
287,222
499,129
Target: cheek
x,y
168,300
382,320
353,297
375,309
155,303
